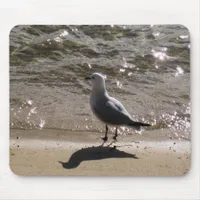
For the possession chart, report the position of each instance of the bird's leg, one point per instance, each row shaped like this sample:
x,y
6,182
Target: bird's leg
x,y
115,137
105,138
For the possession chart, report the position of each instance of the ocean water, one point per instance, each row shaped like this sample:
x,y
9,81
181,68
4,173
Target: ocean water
x,y
147,69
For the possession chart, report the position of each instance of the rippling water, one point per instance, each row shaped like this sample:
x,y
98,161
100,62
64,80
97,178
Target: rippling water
x,y
147,69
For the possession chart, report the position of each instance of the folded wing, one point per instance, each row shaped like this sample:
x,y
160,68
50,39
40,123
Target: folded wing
x,y
112,112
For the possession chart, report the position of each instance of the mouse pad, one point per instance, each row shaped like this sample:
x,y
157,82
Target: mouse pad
x,y
100,100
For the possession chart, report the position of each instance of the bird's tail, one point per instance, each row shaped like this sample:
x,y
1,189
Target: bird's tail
x,y
137,124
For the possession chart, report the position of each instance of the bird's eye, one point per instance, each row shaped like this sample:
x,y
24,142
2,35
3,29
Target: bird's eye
x,y
92,77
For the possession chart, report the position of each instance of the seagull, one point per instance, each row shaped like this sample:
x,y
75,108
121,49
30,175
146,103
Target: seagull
x,y
108,109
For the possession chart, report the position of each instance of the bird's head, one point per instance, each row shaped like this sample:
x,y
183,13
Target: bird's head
x,y
97,80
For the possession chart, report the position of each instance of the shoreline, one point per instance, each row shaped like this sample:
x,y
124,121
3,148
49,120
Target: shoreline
x,y
69,154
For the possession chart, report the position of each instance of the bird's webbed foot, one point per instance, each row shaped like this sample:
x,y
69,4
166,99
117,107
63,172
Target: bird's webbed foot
x,y
115,137
104,138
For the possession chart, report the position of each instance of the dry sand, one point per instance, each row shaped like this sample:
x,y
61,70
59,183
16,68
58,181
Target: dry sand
x,y
54,152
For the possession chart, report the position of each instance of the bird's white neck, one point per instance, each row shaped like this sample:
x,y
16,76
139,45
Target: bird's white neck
x,y
99,89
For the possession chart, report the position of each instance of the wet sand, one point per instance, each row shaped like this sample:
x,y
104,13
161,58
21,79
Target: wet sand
x,y
55,152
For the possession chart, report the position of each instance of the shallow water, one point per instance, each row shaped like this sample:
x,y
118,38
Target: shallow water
x,y
147,69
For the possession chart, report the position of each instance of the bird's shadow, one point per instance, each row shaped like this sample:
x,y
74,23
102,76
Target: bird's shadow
x,y
94,153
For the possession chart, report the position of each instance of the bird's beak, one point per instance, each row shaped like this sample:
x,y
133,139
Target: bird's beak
x,y
87,78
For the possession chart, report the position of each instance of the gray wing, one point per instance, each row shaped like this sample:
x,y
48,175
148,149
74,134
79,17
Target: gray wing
x,y
111,112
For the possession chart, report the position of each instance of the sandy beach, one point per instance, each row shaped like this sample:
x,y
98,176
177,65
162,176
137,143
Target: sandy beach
x,y
55,152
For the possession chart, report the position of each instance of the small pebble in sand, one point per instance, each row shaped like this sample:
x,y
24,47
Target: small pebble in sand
x,y
179,157
17,145
18,137
174,143
136,141
137,146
